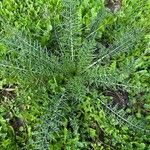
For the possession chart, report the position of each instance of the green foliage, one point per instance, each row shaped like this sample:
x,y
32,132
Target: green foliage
x,y
62,91
32,17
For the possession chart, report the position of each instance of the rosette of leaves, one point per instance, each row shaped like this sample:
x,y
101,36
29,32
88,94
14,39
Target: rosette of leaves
x,y
76,66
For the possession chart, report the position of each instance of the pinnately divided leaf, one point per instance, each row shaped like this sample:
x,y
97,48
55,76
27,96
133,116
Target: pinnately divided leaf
x,y
65,75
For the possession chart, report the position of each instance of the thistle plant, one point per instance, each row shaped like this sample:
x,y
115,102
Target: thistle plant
x,y
63,76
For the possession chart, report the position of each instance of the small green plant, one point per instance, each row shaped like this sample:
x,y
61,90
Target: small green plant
x,y
72,82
